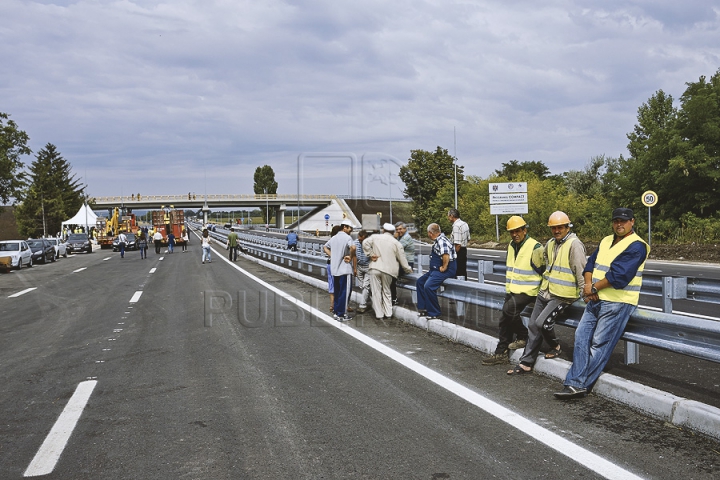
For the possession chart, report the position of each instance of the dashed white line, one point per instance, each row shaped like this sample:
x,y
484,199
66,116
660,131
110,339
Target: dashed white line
x,y
22,292
106,259
79,269
46,458
136,297
152,270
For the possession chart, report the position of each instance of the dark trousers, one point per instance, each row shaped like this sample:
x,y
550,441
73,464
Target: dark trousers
x,y
510,322
393,284
157,246
342,293
461,263
122,249
233,253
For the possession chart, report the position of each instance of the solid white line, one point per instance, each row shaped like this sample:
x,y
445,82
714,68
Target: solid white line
x,y
46,458
80,269
678,312
136,297
22,292
588,459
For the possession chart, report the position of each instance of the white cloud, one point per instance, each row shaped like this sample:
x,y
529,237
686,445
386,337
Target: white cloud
x,y
154,96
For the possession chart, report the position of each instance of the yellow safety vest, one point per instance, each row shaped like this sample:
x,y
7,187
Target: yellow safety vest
x,y
607,252
520,276
559,278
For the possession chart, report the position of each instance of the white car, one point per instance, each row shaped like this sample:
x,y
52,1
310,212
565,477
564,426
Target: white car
x,y
60,246
15,254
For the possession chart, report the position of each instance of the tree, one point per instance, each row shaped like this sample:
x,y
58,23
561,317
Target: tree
x,y
13,144
265,183
53,195
425,174
512,169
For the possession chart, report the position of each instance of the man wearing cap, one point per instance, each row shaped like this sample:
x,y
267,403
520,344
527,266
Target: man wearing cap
x,y
341,250
613,277
442,267
560,287
525,266
386,257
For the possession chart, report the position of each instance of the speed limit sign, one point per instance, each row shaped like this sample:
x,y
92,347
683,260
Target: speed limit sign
x,y
649,198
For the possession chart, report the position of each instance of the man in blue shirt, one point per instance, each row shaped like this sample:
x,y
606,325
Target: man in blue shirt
x,y
442,267
292,239
613,277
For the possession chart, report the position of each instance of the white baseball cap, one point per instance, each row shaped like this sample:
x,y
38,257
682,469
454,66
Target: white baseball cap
x,y
389,227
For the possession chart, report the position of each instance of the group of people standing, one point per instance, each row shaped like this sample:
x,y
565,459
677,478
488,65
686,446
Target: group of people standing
x,y
554,277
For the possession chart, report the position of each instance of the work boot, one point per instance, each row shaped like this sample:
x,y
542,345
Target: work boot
x,y
497,359
517,344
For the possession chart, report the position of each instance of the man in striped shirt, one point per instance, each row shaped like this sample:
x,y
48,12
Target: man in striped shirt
x,y
442,267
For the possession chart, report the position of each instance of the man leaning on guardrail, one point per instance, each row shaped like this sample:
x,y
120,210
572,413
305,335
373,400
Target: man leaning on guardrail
x,y
525,265
613,277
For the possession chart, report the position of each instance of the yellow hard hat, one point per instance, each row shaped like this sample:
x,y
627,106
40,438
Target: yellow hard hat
x,y
558,218
515,222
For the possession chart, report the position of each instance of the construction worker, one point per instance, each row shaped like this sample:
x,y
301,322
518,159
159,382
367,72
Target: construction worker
x,y
613,277
561,285
525,266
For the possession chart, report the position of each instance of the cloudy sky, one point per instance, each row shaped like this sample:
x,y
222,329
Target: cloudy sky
x,y
177,96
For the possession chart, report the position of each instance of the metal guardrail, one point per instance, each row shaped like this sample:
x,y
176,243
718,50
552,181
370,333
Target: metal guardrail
x,y
687,335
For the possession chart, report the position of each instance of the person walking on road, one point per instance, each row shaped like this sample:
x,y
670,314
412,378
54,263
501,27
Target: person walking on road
x,y
142,245
122,242
185,240
525,266
386,258
460,238
613,278
561,285
232,244
442,267
171,242
206,241
157,239
341,250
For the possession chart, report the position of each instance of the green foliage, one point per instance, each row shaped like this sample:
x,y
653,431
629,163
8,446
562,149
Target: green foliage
x,y
513,169
265,183
425,176
52,195
13,144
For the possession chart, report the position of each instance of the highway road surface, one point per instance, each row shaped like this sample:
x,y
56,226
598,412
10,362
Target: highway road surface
x,y
168,368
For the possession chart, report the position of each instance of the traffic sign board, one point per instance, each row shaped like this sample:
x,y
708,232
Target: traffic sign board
x,y
649,198
327,216
513,187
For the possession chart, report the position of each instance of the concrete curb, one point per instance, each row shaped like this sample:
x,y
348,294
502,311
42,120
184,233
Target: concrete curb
x,y
656,403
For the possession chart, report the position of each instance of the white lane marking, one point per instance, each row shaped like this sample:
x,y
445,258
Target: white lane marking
x,y
46,458
106,259
678,312
79,269
136,297
649,270
22,292
584,457
161,259
152,270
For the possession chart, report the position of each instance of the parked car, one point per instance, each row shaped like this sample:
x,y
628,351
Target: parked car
x,y
42,250
78,242
15,254
131,243
60,246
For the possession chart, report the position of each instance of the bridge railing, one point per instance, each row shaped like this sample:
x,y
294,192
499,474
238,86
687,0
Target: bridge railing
x,y
684,334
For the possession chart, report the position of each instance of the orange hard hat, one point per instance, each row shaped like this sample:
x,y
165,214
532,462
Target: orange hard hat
x,y
515,222
558,218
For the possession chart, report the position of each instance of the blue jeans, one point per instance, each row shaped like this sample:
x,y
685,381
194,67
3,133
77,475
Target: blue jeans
x,y
600,329
426,287
206,253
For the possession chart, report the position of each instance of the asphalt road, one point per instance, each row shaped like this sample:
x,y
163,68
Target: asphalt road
x,y
271,387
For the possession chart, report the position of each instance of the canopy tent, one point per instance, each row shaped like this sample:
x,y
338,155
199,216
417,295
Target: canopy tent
x,y
85,217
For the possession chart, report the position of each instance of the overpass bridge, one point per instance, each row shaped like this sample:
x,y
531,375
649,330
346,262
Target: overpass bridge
x,y
327,209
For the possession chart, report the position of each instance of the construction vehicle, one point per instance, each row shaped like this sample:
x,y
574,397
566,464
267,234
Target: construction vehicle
x,y
169,220
107,229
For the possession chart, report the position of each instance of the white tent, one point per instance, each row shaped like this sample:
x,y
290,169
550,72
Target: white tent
x,y
85,217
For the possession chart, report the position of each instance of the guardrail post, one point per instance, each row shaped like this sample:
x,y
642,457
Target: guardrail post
x,y
632,353
485,267
673,288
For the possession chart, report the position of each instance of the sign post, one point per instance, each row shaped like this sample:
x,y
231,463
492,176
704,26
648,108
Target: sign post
x,y
649,199
507,199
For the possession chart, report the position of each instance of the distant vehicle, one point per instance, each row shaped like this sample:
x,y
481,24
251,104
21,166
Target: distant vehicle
x,y
42,250
15,254
78,242
131,243
60,247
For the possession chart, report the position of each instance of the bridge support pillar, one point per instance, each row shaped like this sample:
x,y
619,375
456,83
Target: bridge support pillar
x,y
280,216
